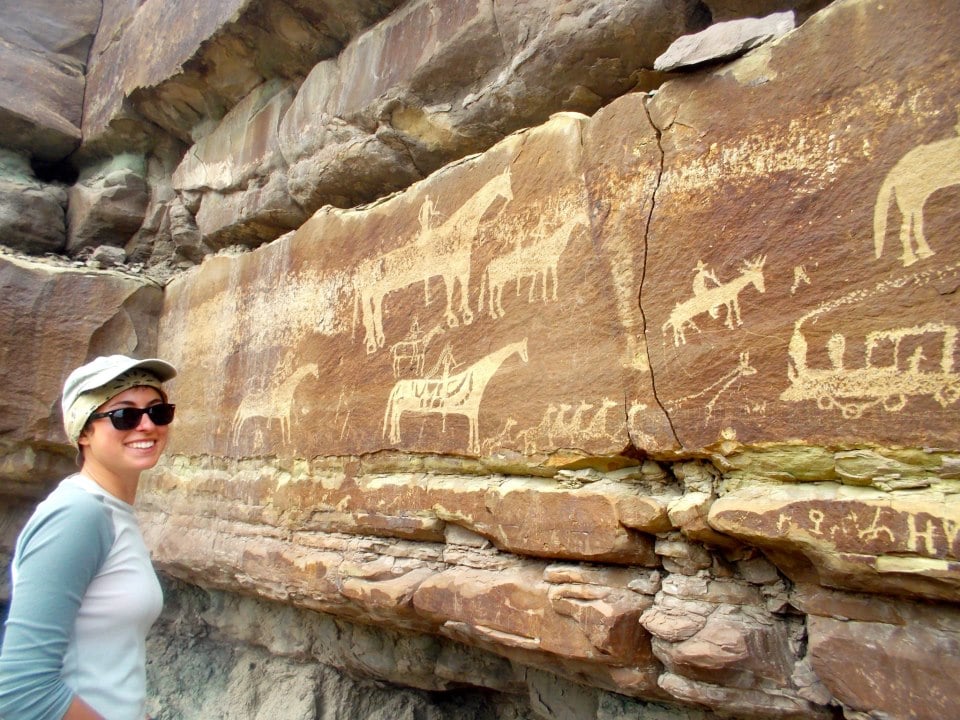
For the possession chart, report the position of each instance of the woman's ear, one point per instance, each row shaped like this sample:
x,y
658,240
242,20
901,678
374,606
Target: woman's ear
x,y
84,439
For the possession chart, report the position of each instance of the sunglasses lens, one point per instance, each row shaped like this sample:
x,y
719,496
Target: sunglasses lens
x,y
126,418
161,414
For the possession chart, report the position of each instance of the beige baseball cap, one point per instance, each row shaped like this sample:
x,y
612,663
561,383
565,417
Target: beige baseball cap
x,y
91,385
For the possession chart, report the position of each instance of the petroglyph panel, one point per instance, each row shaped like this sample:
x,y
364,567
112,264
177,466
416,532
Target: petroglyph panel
x,y
490,309
803,256
854,538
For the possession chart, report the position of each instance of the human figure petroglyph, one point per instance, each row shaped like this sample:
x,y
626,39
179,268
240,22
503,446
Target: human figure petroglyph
x,y
444,364
888,382
537,260
715,389
445,251
409,354
272,403
800,277
458,394
911,182
701,276
712,299
875,529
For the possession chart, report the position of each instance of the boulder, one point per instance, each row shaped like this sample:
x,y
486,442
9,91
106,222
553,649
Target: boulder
x,y
106,208
43,55
182,65
723,41
917,659
31,212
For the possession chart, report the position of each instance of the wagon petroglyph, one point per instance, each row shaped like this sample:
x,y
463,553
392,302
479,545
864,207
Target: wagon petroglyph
x,y
898,362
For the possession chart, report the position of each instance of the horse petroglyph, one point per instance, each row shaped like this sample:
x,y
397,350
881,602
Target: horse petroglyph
x,y
443,250
911,182
710,296
448,394
538,260
272,403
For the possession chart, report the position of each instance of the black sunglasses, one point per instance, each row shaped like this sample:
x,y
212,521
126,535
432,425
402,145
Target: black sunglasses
x,y
127,418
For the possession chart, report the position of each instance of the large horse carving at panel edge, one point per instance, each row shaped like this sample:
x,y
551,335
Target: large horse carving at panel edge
x,y
444,250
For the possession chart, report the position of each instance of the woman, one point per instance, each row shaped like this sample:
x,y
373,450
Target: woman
x,y
84,590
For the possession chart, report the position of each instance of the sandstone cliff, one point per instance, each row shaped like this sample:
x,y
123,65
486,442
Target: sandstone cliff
x,y
538,360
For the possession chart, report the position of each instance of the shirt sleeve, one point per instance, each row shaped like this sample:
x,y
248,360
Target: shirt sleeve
x,y
58,553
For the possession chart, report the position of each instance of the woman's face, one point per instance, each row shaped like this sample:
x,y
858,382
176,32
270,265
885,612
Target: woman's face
x,y
125,451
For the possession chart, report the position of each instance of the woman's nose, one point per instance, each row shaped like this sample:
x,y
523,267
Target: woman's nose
x,y
145,423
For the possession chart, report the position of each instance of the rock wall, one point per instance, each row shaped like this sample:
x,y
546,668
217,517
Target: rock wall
x,y
532,364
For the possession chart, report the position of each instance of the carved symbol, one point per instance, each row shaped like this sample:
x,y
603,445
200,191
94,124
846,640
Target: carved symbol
x,y
537,260
915,177
444,250
743,369
887,383
458,394
273,403
711,299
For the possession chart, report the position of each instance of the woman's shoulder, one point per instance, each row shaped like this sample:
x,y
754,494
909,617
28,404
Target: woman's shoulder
x,y
71,511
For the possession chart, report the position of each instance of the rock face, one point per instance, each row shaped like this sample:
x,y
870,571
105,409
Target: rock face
x,y
43,54
608,402
54,319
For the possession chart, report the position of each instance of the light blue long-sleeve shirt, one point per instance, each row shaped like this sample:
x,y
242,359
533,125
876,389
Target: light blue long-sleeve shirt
x,y
84,597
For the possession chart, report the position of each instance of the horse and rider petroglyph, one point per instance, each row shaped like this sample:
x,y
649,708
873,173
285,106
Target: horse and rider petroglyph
x,y
409,354
457,394
916,176
444,250
712,298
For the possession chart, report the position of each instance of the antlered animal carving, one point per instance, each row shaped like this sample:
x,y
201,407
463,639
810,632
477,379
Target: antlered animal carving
x,y
710,299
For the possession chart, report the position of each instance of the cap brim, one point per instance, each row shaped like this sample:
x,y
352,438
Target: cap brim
x,y
162,369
